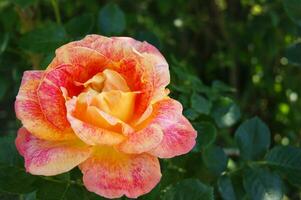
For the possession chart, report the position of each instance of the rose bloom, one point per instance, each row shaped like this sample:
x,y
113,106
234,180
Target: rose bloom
x,y
102,105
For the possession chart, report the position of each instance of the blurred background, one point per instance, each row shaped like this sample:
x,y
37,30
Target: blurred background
x,y
229,59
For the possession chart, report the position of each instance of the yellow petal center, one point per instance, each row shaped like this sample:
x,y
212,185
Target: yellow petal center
x,y
106,95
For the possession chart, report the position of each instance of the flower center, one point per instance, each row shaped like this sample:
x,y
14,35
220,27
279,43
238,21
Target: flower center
x,y
106,95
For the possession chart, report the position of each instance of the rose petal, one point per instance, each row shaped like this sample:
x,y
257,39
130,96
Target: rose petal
x,y
89,133
49,158
179,135
28,110
143,140
141,64
50,94
113,174
76,55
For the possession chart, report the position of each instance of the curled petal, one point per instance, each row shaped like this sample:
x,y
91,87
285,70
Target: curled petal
x,y
179,135
28,110
76,55
143,140
51,97
113,174
49,158
89,133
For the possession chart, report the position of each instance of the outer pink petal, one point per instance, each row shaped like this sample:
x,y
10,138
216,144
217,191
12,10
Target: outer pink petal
x,y
49,158
89,133
79,55
28,110
113,174
179,135
143,140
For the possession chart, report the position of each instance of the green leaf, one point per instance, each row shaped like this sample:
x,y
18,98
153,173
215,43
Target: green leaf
x,y
206,135
75,192
191,189
93,196
15,180
44,39
8,152
293,53
293,10
262,184
150,37
191,114
111,19
30,196
287,161
215,159
153,194
4,39
51,190
200,104
80,26
253,138
24,3
225,113
6,196
219,86
3,87
47,60
225,188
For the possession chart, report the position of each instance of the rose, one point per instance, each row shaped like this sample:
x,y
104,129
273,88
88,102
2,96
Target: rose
x,y
102,104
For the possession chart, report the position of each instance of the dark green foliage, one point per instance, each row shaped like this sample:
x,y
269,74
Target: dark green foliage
x,y
43,39
111,19
229,60
206,135
253,138
287,161
215,159
225,188
189,189
262,184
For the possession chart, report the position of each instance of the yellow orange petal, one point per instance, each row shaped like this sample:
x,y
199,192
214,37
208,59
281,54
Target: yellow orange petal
x,y
112,174
116,103
86,112
89,133
28,110
114,81
49,158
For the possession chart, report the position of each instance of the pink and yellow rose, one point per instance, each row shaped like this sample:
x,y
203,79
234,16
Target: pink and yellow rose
x,y
102,105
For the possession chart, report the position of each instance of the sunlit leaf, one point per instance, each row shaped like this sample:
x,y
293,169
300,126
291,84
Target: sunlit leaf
x,y
262,184
287,161
225,112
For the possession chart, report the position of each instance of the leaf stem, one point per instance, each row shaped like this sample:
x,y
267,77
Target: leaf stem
x,y
56,9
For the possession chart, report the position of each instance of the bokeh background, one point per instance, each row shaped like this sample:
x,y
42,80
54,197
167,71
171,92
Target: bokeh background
x,y
230,60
